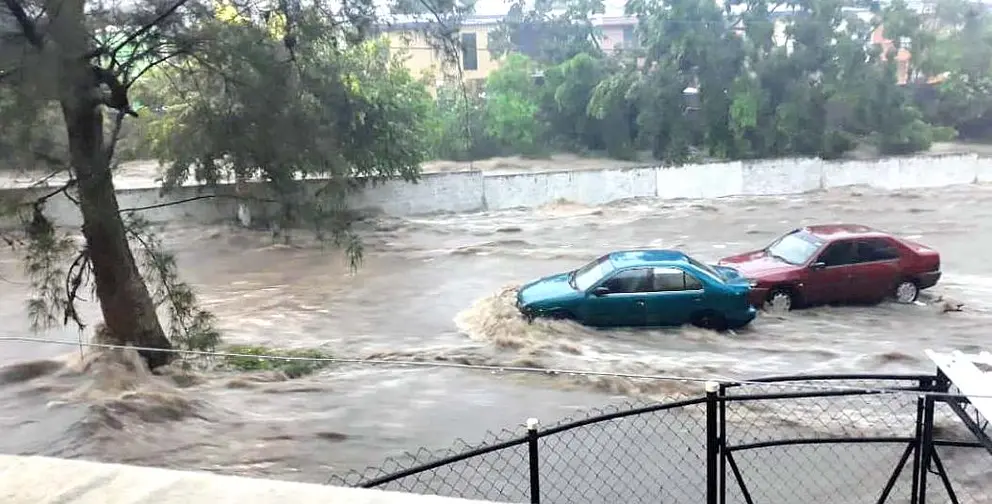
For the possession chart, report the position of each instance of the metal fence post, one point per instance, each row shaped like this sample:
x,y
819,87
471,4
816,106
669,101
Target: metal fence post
x,y
535,473
712,442
722,447
926,446
918,442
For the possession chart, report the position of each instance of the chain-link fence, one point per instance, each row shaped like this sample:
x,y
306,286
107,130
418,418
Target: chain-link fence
x,y
840,439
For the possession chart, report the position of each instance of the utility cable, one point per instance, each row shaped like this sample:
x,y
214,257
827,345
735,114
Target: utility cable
x,y
502,369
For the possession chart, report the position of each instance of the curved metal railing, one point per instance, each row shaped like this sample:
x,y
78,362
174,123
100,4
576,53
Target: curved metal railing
x,y
780,439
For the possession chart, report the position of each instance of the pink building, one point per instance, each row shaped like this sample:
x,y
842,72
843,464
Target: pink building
x,y
903,56
617,32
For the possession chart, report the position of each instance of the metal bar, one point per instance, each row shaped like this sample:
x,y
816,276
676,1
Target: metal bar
x,y
958,444
982,437
815,441
534,461
910,448
917,438
836,377
926,446
739,478
443,462
820,393
723,445
621,414
943,476
712,442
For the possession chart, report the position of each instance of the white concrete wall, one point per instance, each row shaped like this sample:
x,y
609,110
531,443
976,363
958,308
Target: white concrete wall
x,y
591,187
43,480
701,181
474,190
434,192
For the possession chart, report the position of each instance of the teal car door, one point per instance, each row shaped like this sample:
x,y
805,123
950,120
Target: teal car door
x,y
619,299
676,295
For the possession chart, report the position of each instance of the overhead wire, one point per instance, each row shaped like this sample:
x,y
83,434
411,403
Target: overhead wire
x,y
796,384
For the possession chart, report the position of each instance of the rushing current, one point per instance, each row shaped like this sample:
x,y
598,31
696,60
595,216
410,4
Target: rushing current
x,y
439,289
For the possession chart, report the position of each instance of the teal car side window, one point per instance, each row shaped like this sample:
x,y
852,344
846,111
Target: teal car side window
x,y
630,281
691,282
674,280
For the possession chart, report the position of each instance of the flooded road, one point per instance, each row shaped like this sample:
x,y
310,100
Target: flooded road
x,y
437,288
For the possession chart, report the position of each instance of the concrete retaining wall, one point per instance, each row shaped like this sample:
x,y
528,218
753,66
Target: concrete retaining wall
x,y
591,187
43,480
473,190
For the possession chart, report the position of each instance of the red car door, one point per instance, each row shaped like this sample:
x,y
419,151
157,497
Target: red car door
x,y
877,270
829,278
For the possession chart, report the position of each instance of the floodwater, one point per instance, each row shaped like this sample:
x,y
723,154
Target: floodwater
x,y
437,289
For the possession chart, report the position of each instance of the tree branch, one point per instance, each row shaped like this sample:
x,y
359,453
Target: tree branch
x,y
115,136
195,198
28,27
152,65
117,99
144,29
40,201
11,242
74,279
46,178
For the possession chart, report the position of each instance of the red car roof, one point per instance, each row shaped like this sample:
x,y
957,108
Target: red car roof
x,y
837,231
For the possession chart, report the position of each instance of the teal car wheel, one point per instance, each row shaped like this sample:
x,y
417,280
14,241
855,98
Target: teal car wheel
x,y
709,320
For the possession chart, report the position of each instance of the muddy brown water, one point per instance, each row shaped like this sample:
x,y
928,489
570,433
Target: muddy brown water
x,y
439,288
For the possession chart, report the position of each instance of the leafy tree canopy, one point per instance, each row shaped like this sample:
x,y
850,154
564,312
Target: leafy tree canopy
x,y
275,92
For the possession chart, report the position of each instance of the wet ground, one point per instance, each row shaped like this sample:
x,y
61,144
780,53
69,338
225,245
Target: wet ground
x,y
436,289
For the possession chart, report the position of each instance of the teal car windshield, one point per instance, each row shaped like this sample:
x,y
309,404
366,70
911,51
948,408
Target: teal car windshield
x,y
795,248
705,267
587,276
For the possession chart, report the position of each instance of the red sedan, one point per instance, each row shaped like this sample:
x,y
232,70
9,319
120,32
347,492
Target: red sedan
x,y
836,264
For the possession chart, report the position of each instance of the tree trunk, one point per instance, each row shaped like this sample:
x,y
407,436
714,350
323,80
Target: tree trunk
x,y
128,308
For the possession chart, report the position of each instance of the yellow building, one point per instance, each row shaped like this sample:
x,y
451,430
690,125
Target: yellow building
x,y
475,63
423,57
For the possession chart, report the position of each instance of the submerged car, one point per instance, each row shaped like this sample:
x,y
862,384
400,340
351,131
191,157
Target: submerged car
x,y
837,264
642,288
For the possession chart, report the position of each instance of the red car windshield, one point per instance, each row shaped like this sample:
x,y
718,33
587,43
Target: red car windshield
x,y
795,248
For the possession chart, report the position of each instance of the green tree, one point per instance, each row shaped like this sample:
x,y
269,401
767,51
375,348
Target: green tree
x,y
347,116
549,32
512,106
954,46
755,96
568,90
286,79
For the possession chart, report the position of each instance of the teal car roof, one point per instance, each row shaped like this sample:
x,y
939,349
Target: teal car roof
x,y
649,257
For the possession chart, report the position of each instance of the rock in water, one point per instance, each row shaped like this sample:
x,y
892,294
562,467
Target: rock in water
x,y
949,305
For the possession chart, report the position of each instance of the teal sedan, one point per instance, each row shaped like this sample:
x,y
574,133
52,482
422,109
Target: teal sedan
x,y
642,288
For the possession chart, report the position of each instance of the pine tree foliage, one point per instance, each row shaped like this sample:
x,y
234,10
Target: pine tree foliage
x,y
190,326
